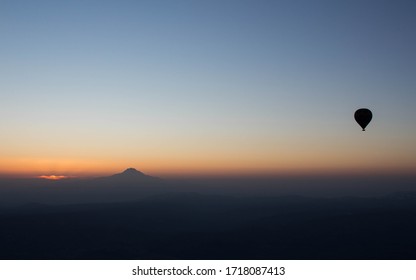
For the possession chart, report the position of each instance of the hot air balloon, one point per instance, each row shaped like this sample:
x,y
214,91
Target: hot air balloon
x,y
363,117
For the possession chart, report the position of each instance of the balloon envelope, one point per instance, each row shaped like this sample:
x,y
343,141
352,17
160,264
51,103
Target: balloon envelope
x,y
363,117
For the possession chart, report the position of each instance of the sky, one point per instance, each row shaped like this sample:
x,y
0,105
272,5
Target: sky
x,y
189,88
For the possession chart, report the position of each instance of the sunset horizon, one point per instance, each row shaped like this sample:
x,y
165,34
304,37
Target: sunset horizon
x,y
206,174
216,130
206,89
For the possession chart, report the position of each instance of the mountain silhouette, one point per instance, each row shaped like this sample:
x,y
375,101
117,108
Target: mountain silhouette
x,y
130,176
130,173
129,184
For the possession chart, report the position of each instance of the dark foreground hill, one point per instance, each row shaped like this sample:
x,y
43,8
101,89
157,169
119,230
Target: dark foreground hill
x,y
197,226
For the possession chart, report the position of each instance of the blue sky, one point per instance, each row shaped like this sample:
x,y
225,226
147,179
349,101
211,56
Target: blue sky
x,y
207,86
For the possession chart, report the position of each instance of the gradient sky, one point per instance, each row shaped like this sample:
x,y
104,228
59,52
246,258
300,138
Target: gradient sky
x,y
179,88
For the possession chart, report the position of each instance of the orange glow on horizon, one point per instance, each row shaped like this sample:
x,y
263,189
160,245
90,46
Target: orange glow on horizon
x,y
203,166
53,177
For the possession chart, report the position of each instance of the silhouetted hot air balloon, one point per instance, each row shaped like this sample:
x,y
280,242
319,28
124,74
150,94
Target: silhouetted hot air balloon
x,y
363,117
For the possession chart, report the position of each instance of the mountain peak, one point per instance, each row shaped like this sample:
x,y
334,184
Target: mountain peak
x,y
131,171
131,175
